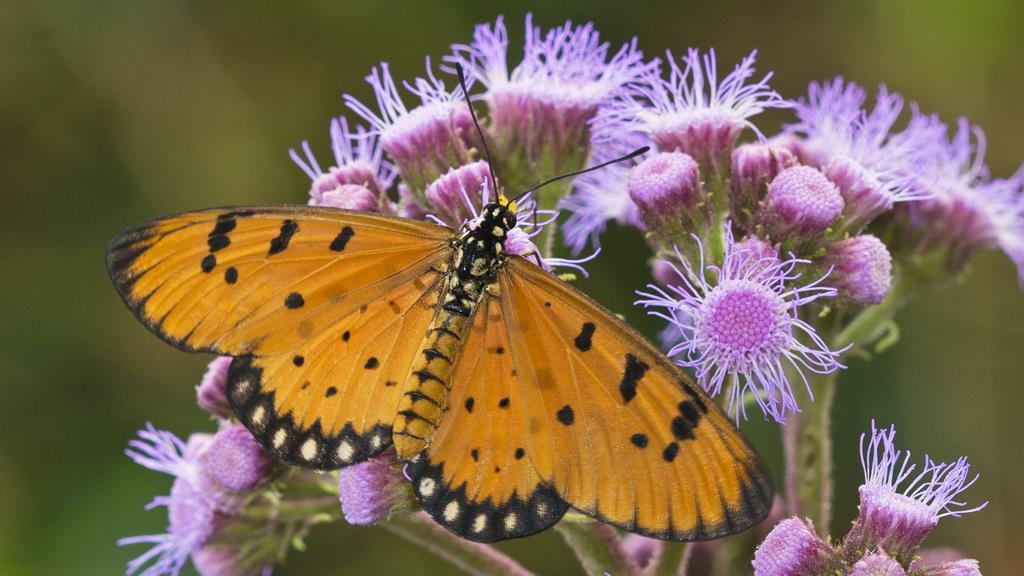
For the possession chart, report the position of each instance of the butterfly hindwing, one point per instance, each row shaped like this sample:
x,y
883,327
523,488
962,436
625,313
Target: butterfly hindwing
x,y
323,309
614,428
475,478
331,400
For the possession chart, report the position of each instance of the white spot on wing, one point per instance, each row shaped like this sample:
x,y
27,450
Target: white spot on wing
x,y
279,437
309,449
345,451
427,486
542,509
511,521
451,511
376,441
258,416
480,523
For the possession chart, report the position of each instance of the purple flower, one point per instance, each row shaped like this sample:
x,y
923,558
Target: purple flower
x,y
423,141
873,166
877,564
372,489
544,104
744,325
861,269
641,549
210,394
225,560
693,111
452,195
235,460
601,196
667,190
964,567
801,202
360,177
969,210
754,166
194,517
793,549
899,507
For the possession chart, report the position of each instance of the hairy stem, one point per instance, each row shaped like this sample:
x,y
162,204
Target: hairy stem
x,y
598,548
470,557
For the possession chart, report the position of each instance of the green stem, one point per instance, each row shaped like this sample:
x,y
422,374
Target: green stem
x,y
813,457
470,557
673,560
598,547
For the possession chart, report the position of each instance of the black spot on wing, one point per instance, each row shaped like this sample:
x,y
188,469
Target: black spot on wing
x,y
294,300
670,452
208,263
284,236
231,275
346,335
469,404
639,440
475,455
331,391
341,240
371,363
583,340
298,360
565,415
631,376
503,403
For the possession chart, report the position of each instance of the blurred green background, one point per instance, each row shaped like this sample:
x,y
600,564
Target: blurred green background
x,y
117,111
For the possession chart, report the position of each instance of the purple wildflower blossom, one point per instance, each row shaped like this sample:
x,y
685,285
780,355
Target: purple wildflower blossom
x,y
453,193
370,490
898,508
966,567
358,162
793,549
601,196
235,460
969,210
667,190
211,394
423,141
753,167
877,564
194,517
743,325
873,166
801,201
693,111
543,106
861,269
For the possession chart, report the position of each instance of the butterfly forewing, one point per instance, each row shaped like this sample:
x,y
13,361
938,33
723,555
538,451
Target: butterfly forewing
x,y
475,477
230,280
617,430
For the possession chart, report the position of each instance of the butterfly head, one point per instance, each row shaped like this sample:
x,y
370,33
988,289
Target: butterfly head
x,y
499,217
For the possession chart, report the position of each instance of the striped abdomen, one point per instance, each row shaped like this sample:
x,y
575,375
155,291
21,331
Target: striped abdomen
x,y
426,390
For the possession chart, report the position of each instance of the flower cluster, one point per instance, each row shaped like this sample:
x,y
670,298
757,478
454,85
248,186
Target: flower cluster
x,y
900,504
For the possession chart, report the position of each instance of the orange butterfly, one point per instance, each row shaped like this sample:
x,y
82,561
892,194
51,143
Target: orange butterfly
x,y
512,395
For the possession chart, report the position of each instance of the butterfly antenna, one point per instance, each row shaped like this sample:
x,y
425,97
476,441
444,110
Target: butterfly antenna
x,y
629,156
479,131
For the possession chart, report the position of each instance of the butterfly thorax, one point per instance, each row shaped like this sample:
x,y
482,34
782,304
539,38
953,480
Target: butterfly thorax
x,y
477,257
